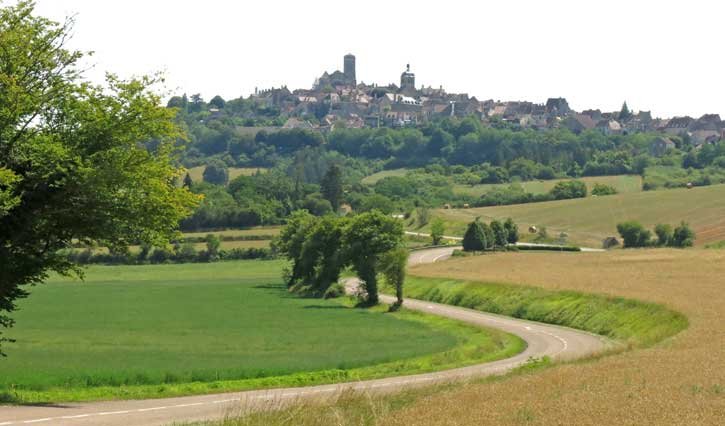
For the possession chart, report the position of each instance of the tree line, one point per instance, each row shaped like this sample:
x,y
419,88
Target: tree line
x,y
482,236
635,235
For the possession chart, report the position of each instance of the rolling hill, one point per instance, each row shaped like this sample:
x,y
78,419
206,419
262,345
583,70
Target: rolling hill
x,y
588,220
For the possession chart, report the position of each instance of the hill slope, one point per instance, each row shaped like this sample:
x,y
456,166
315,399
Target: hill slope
x,y
589,220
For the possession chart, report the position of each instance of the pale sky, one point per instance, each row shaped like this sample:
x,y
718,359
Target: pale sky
x,y
665,56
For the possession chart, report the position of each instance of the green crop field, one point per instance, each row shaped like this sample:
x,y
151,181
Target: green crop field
x,y
197,173
270,232
587,221
375,177
623,184
162,330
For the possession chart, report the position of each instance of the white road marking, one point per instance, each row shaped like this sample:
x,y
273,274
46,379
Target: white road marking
x,y
141,410
46,419
109,413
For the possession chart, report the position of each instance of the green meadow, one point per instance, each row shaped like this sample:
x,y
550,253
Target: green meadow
x,y
162,330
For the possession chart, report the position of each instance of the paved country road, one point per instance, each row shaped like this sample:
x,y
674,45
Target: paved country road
x,y
542,340
519,244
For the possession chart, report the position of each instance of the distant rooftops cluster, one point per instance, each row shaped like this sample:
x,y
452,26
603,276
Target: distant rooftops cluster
x,y
355,104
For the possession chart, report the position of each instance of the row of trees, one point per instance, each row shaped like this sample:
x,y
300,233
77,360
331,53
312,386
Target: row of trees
x,y
635,235
321,247
481,236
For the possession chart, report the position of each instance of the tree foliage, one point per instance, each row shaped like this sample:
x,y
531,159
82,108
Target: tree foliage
x,y
368,237
664,234
331,186
683,236
320,247
392,267
77,161
475,238
634,234
569,189
216,172
500,234
512,231
437,229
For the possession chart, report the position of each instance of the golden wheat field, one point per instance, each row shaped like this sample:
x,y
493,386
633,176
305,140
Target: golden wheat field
x,y
680,381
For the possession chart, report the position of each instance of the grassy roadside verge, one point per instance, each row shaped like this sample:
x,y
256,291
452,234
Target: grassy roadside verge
x,y
633,322
473,345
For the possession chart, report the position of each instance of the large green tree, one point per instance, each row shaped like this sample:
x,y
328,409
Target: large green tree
x,y
367,238
77,161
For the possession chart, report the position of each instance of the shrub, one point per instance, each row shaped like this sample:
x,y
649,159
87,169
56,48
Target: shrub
x,y
602,189
186,253
569,189
334,291
683,236
634,234
664,234
216,172
212,246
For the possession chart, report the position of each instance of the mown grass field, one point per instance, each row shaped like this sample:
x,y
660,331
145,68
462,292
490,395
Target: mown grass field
x,y
375,177
589,220
623,184
197,173
677,381
163,330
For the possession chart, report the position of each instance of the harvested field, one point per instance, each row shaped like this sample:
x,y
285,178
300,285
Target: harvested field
x,y
680,381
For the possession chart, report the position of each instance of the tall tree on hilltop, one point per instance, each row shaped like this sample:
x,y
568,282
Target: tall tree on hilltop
x,y
625,113
74,161
331,186
217,102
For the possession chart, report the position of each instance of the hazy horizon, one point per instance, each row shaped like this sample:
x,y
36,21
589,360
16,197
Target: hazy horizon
x,y
664,58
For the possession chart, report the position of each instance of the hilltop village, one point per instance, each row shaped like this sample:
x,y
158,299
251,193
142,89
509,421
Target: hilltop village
x,y
337,98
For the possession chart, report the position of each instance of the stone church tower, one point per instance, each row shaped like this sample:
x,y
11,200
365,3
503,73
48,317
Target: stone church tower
x,y
349,69
407,81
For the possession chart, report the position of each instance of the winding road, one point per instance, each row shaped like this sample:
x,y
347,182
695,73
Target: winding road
x,y
542,340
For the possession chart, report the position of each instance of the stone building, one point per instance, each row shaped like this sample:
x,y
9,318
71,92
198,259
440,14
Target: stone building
x,y
338,78
349,69
407,81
